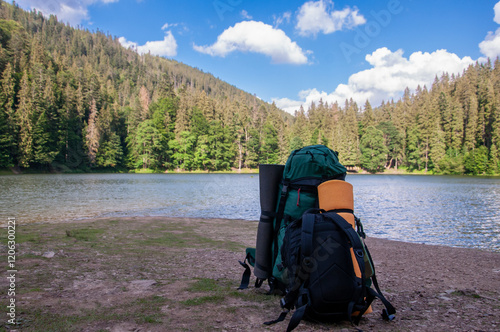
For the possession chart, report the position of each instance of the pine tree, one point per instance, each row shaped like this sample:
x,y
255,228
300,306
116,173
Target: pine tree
x,y
368,118
25,122
8,130
393,140
471,123
437,148
92,134
373,150
110,152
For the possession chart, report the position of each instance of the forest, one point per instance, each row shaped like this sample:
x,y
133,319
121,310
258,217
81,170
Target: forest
x,y
73,100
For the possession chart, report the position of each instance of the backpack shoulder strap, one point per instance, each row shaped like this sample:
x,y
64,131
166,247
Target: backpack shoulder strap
x,y
389,312
352,235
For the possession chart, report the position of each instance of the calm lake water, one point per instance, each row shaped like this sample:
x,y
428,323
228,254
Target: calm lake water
x,y
447,210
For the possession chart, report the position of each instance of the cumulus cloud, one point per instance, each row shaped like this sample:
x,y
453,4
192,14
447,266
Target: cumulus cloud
x,y
256,37
490,46
496,9
166,47
391,73
69,11
318,16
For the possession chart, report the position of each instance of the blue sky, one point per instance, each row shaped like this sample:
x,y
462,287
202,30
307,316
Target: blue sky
x,y
296,52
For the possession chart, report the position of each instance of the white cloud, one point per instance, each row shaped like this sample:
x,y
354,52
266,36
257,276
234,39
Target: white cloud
x,y
496,9
284,18
68,11
169,25
256,37
245,15
319,16
388,77
166,47
490,46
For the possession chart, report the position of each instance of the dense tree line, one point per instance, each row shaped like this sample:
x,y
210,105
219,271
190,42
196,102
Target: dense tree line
x,y
71,99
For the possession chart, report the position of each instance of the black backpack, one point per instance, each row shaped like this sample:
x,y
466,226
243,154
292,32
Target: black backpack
x,y
322,283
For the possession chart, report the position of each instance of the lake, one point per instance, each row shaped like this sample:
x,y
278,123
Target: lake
x,y
447,210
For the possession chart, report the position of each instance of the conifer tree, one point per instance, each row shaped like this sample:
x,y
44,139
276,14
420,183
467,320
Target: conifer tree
x,y
373,150
92,134
24,117
8,130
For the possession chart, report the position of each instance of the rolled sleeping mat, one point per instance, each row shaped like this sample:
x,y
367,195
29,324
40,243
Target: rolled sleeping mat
x,y
270,176
338,195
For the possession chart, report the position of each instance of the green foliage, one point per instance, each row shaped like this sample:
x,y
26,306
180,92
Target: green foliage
x,y
373,150
146,146
72,100
476,161
110,152
451,163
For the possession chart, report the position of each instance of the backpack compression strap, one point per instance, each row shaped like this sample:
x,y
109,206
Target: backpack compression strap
x,y
245,278
389,313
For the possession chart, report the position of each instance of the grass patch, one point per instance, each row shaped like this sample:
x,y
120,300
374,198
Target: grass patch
x,y
84,234
214,299
21,237
207,285
467,293
188,240
143,310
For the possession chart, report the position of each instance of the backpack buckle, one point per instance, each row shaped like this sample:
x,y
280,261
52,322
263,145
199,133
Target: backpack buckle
x,y
386,316
308,263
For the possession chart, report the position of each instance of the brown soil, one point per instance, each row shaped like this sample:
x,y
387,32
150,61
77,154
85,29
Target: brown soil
x,y
175,274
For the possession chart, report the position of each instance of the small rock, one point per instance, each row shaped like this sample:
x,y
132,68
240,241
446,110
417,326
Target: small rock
x,y
142,284
48,254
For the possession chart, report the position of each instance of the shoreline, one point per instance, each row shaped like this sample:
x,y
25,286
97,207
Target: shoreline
x,y
84,220
158,273
391,171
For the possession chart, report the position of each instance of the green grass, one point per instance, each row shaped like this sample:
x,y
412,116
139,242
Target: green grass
x,y
470,294
213,299
143,310
207,285
188,240
84,234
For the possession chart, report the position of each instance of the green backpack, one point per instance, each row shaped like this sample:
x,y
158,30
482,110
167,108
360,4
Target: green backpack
x,y
283,200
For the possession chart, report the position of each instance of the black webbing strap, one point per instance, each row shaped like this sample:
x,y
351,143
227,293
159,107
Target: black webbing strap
x,y
280,318
297,316
389,313
306,240
245,278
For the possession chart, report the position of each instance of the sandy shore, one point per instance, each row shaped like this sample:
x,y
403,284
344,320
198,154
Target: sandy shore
x,y
177,274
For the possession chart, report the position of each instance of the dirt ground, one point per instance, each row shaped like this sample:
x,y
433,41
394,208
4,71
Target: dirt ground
x,y
176,274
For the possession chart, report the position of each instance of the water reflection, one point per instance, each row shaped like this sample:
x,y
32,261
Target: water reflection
x,y
456,211
453,211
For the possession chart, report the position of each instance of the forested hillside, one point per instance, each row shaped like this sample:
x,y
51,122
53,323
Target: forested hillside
x,y
77,100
